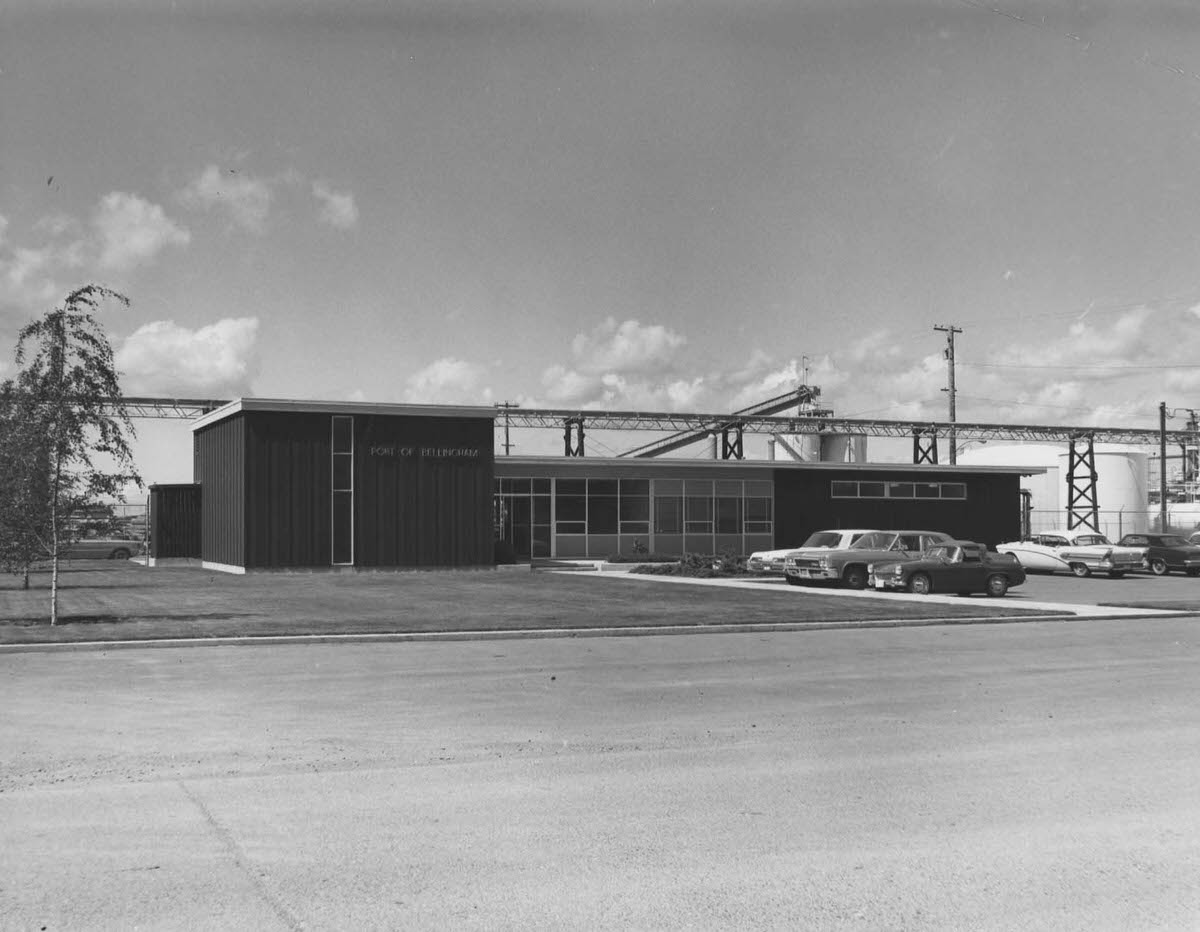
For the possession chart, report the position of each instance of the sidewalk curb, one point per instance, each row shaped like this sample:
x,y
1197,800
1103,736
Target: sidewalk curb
x,y
543,633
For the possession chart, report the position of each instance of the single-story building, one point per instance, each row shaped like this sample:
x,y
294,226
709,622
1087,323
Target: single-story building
x,y
283,484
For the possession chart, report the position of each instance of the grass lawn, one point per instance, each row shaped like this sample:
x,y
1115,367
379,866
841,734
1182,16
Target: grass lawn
x,y
106,601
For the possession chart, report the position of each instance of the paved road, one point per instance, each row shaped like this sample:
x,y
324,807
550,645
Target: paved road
x,y
1030,776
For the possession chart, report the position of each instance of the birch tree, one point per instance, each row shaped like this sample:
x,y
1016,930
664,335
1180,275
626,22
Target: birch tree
x,y
67,429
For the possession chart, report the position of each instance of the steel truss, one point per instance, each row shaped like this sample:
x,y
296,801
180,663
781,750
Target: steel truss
x,y
685,429
180,408
928,433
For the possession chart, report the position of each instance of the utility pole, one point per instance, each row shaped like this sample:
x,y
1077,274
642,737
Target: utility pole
x,y
1191,456
1162,468
506,405
950,330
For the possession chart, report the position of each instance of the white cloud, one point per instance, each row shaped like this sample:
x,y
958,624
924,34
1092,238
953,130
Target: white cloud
x,y
626,365
337,208
563,387
246,199
215,361
684,395
30,278
1128,339
448,381
626,347
131,231
126,231
878,344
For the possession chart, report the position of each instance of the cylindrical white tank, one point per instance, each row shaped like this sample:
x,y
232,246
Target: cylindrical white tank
x,y
1122,498
1121,483
843,448
805,447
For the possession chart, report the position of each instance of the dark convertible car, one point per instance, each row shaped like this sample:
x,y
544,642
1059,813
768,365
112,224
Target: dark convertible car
x,y
960,566
1166,552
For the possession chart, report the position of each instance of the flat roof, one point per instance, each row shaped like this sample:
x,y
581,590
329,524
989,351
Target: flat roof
x,y
541,466
239,405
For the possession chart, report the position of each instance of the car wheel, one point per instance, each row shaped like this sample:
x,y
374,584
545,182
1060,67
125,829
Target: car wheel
x,y
1158,567
1080,570
119,554
997,585
1193,571
920,584
855,577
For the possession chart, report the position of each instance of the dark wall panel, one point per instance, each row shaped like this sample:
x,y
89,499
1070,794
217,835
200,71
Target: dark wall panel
x,y
175,521
423,491
221,471
990,514
288,506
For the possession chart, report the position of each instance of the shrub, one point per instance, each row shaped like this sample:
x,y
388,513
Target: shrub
x,y
697,566
642,558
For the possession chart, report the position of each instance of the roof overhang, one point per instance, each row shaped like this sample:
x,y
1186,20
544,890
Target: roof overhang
x,y
283,405
663,464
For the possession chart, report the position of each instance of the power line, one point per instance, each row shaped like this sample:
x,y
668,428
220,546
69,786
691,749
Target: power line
x,y
1131,368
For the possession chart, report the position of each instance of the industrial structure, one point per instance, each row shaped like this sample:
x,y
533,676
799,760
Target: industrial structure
x,y
805,418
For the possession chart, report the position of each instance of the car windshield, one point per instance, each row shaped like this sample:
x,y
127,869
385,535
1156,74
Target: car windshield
x,y
879,540
1172,541
1091,540
823,539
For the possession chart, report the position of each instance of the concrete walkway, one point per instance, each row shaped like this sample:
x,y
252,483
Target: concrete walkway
x,y
1012,600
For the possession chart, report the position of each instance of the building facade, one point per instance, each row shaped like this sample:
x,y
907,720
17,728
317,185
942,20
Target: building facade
x,y
591,508
283,484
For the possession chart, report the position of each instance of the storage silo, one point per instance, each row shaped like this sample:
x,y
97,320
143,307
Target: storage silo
x,y
803,447
843,448
1122,496
1121,483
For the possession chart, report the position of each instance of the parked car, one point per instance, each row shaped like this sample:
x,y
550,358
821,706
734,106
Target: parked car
x,y
1166,552
770,562
1080,551
960,566
102,547
848,566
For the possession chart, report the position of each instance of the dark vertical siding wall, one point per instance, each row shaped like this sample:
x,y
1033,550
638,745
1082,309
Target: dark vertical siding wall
x,y
990,514
417,505
175,517
288,509
220,464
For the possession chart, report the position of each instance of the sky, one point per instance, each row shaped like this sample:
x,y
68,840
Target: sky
x,y
626,205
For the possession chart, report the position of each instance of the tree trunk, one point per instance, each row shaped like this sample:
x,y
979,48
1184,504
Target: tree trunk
x,y
25,577
54,538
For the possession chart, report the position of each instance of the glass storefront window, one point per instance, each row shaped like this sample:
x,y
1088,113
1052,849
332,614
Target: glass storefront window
x,y
698,517
602,514
589,514
729,515
668,515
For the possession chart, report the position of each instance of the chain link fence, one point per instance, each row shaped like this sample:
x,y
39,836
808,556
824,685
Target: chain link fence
x,y
1116,523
